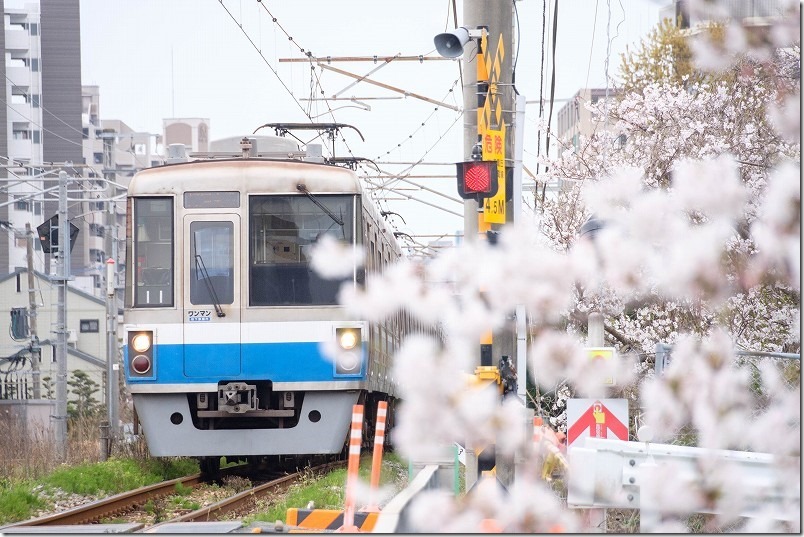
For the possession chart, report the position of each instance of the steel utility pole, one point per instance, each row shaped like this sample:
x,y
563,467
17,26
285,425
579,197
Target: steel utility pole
x,y
36,350
111,329
63,274
495,94
498,19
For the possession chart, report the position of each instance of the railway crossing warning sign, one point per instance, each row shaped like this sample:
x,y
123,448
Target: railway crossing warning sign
x,y
598,418
491,129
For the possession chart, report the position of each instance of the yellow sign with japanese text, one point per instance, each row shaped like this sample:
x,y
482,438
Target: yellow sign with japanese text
x,y
494,149
491,128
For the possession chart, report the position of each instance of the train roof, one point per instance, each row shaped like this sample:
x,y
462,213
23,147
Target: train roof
x,y
246,175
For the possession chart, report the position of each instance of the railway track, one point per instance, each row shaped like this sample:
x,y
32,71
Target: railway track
x,y
113,505
127,501
242,502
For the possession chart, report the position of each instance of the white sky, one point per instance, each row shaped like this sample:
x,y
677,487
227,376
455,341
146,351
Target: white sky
x,y
156,59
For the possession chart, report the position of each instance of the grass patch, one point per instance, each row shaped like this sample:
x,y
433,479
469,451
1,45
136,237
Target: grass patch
x,y
118,475
183,490
184,503
327,491
20,501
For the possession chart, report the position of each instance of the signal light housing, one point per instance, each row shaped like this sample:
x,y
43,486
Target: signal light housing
x,y
477,179
349,360
141,354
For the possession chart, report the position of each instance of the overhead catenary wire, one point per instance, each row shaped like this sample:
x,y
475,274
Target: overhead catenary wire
x,y
317,84
265,60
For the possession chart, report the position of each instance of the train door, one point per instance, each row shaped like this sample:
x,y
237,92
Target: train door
x,y
211,295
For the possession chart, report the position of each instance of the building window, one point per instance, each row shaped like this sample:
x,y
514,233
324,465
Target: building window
x,y
97,158
85,133
96,256
35,101
35,65
34,28
22,205
37,207
96,230
90,325
36,136
21,135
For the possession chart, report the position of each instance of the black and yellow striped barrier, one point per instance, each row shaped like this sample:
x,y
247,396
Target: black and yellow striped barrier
x,y
328,519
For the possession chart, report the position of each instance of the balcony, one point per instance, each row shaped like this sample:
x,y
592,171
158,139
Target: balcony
x,y
20,149
19,76
22,113
17,40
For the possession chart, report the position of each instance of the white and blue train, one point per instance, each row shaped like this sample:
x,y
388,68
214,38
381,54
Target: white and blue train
x,y
225,320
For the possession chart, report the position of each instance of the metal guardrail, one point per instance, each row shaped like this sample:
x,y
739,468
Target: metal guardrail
x,y
394,516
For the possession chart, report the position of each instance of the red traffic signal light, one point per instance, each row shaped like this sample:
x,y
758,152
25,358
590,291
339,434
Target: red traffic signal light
x,y
477,179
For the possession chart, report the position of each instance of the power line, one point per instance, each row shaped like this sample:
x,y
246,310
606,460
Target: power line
x,y
264,59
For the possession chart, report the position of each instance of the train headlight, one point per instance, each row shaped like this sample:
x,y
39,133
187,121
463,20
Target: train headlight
x,y
141,342
348,338
140,354
349,358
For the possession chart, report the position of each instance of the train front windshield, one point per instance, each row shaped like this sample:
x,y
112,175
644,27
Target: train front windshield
x,y
283,230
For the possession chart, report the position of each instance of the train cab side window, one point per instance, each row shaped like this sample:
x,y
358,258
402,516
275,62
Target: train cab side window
x,y
211,263
153,251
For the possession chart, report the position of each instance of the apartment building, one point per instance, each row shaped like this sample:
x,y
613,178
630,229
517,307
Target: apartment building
x,y
42,116
53,123
574,120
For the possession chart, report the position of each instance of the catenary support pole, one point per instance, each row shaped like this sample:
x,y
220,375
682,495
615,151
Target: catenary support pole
x,y
112,392
63,274
36,350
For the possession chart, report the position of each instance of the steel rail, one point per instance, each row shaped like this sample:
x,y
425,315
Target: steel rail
x,y
238,501
118,503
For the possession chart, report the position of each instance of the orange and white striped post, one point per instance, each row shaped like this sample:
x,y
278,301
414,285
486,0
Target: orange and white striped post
x,y
376,461
355,437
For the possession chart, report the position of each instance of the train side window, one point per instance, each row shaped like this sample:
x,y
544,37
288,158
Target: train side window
x,y
211,262
153,251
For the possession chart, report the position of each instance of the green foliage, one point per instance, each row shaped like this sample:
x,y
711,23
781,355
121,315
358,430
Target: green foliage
x,y
664,56
183,490
170,468
47,384
327,491
184,503
18,502
118,475
109,477
84,389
